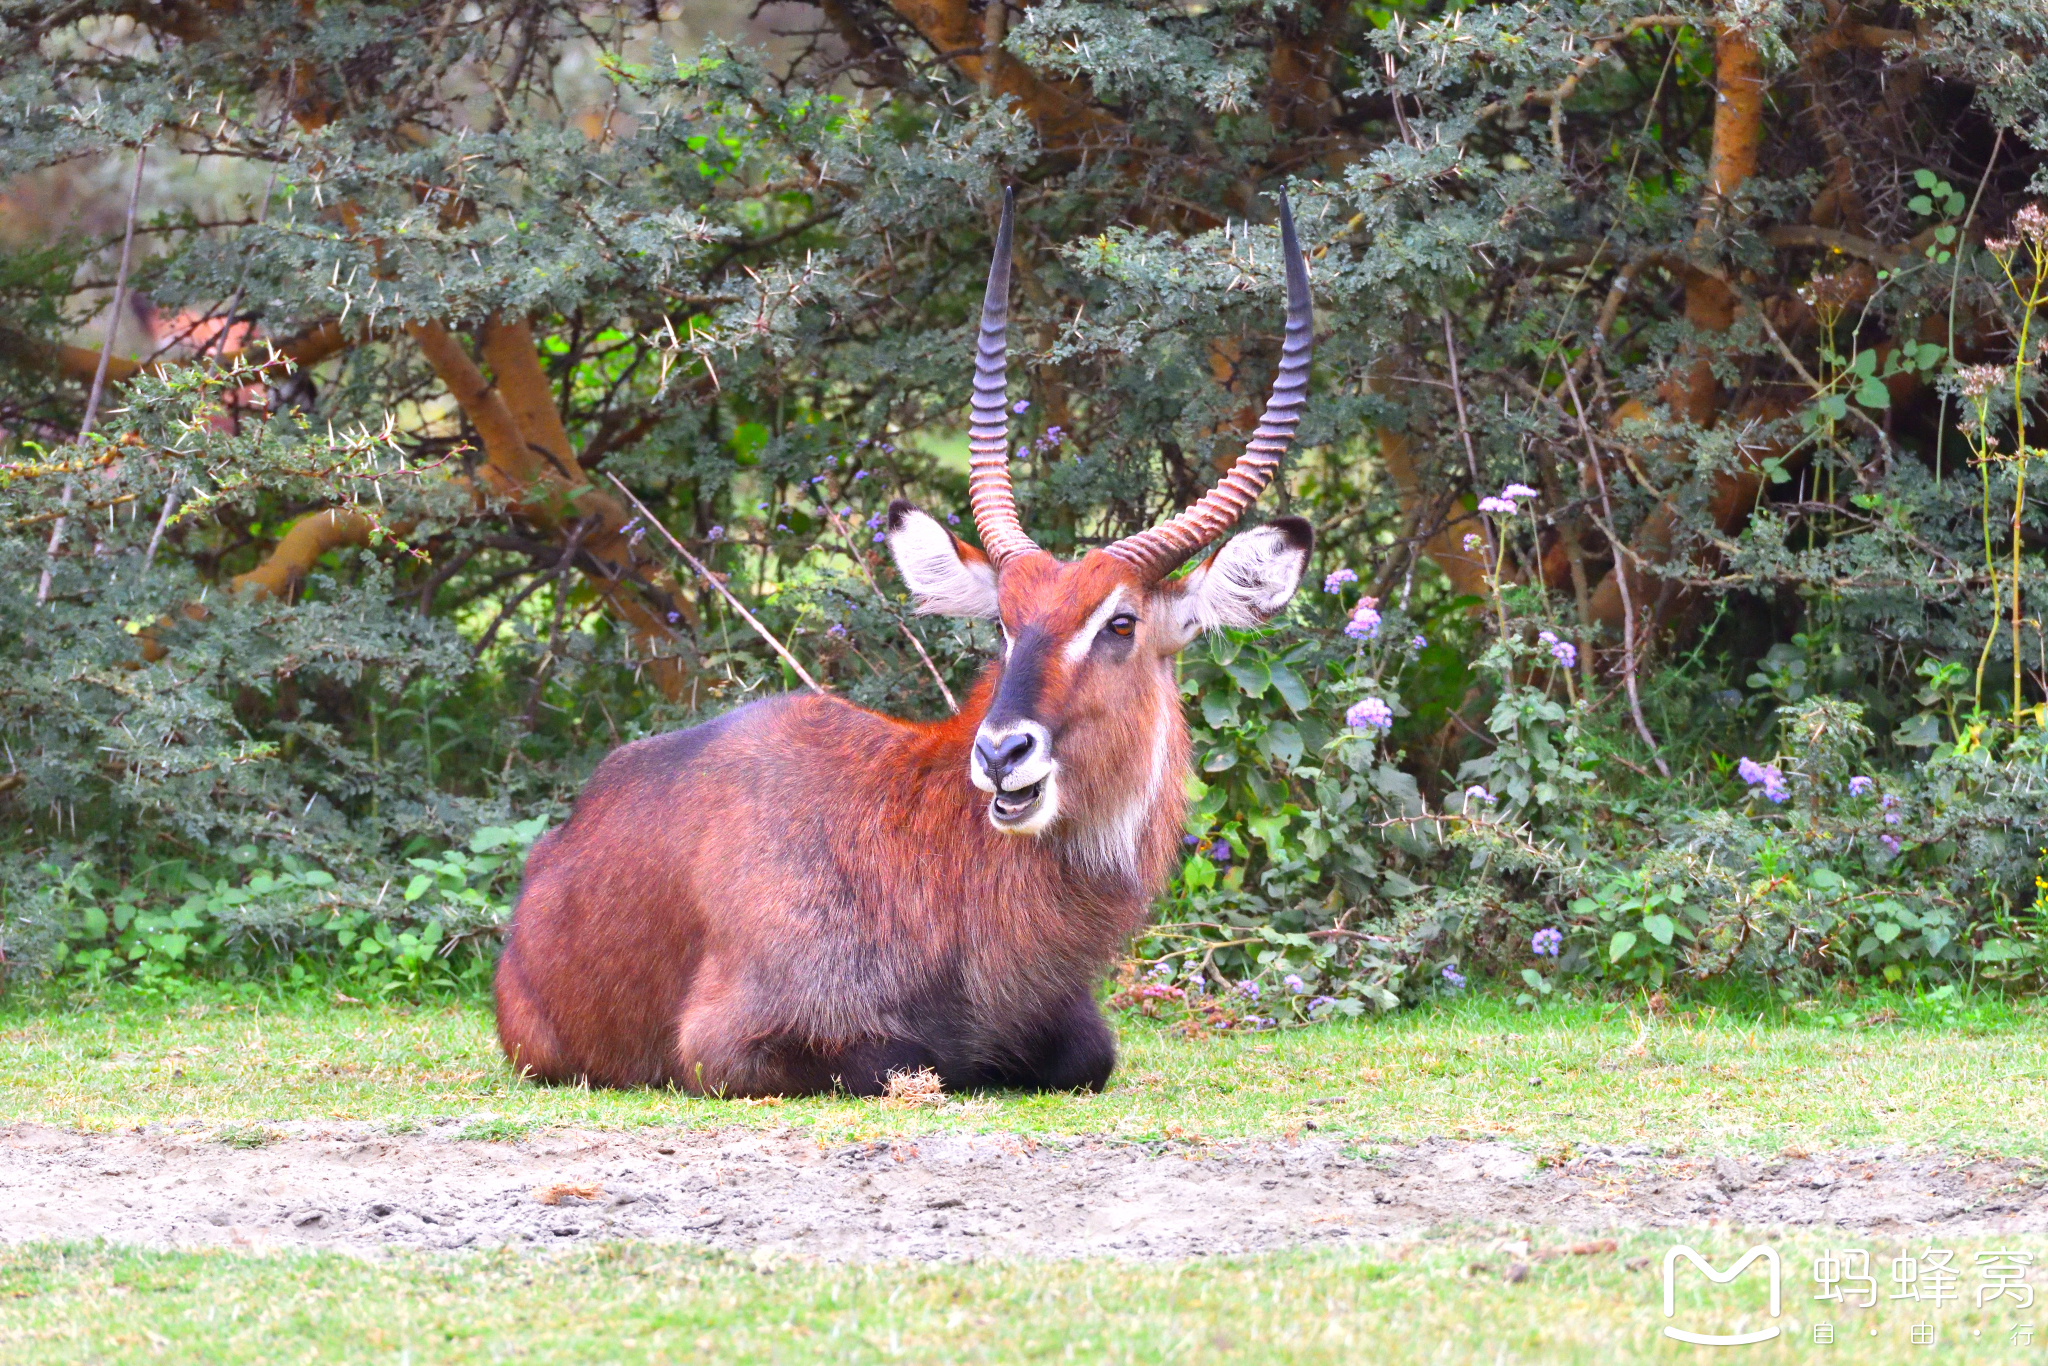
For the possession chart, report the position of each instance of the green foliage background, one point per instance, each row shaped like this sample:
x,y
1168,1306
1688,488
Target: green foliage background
x,y
749,269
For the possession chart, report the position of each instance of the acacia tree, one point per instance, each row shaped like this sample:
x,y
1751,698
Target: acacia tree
x,y
342,557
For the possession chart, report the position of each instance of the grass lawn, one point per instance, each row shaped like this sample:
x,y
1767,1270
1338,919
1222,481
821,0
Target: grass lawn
x,y
1437,1301
1712,1079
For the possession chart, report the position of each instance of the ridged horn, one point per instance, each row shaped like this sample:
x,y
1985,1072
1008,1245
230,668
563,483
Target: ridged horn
x,y
1169,545
988,425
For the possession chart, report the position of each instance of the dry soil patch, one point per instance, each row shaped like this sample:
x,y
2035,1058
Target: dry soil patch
x,y
358,1188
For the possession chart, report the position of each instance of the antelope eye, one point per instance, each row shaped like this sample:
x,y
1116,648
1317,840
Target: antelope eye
x,y
1123,623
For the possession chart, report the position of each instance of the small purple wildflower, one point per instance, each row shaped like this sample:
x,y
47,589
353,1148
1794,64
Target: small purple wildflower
x,y
1220,850
1162,972
831,462
1501,505
1547,941
1319,1002
953,519
1454,977
879,538
1370,714
1364,623
1191,840
1891,818
1249,989
674,617
1765,776
1421,642
782,526
1195,984
817,479
1860,786
716,533
859,475
760,507
837,628
1021,406
1476,793
1518,491
1471,541
1891,844
1294,984
1337,578
1563,651
1889,801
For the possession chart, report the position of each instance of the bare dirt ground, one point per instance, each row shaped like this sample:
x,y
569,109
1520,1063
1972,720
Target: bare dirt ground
x,y
358,1188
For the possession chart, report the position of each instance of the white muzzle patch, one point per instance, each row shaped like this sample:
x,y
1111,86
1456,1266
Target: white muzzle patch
x,y
1027,799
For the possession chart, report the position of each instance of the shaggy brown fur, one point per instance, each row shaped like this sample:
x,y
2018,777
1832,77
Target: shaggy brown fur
x,y
803,894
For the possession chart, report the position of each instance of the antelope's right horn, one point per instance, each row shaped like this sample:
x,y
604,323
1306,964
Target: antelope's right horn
x,y
988,427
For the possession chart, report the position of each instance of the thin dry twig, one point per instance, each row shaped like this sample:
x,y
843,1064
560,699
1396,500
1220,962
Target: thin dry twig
x,y
1628,607
724,592
99,378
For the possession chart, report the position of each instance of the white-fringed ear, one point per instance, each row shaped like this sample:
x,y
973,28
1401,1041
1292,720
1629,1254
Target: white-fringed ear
x,y
1246,583
947,577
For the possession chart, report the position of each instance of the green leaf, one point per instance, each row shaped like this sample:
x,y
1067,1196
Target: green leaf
x,y
1290,687
1618,947
1885,931
1872,394
1219,709
1920,204
1537,981
417,888
1252,676
1945,234
1219,759
1661,928
1926,179
1283,742
1198,874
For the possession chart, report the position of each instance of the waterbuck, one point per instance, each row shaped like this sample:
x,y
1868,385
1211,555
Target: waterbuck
x,y
804,895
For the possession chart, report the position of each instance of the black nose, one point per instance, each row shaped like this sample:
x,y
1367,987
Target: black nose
x,y
1005,754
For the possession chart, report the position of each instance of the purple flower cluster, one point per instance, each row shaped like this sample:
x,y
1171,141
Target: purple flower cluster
x,y
1861,786
1248,989
1890,805
1547,941
1370,714
1294,984
1338,577
1504,501
1452,976
1365,620
1890,843
1476,793
1764,776
1563,651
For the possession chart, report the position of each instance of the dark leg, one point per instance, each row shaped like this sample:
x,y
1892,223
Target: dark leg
x,y
1073,1050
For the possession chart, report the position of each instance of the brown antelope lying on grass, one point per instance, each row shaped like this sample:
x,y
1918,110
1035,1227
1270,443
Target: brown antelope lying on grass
x,y
803,895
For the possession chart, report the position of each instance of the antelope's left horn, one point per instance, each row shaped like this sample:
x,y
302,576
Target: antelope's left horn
x,y
1166,547
988,426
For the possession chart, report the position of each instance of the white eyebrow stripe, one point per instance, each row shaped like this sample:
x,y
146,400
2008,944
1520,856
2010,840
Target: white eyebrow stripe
x,y
1077,645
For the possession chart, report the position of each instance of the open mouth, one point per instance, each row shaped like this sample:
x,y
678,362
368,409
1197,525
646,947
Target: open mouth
x,y
1009,808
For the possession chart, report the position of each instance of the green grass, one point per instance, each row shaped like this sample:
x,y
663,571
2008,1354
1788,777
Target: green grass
x,y
1571,1072
1434,1300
